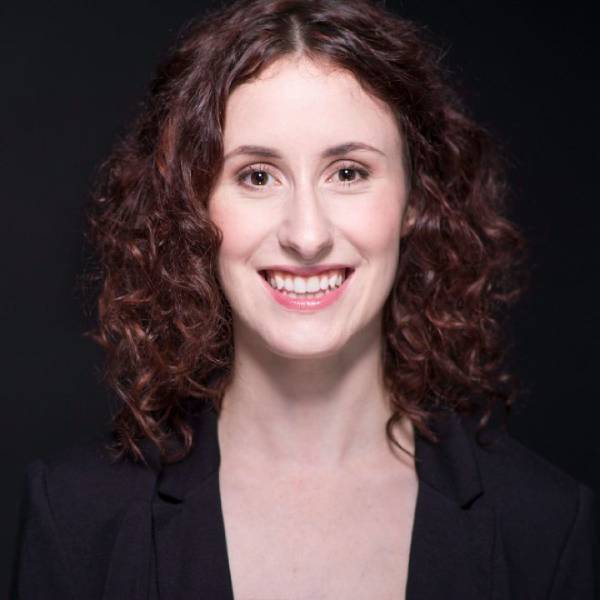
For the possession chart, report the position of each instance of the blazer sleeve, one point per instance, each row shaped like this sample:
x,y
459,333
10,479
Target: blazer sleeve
x,y
40,569
577,574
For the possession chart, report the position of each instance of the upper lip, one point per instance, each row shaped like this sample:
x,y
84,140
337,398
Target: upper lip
x,y
307,271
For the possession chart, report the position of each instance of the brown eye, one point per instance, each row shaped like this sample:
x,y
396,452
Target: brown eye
x,y
255,176
348,175
259,177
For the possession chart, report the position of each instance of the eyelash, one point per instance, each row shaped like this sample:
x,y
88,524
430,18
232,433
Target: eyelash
x,y
364,173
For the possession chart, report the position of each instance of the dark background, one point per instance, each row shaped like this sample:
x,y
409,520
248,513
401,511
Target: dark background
x,y
72,76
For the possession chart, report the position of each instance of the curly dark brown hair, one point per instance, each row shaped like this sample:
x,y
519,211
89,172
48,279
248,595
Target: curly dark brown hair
x,y
162,316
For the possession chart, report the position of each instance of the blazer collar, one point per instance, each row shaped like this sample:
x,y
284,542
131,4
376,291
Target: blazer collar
x,y
177,480
449,467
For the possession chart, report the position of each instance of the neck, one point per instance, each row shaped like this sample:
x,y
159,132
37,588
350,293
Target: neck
x,y
308,415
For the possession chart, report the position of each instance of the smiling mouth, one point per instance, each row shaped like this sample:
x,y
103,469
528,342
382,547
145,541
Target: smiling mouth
x,y
346,273
293,295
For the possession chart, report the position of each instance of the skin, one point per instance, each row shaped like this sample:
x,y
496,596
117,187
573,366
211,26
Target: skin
x,y
307,398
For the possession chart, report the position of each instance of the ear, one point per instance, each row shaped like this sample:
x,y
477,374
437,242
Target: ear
x,y
408,220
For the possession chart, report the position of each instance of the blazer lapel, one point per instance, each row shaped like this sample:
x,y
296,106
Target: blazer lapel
x,y
189,534
453,533
452,540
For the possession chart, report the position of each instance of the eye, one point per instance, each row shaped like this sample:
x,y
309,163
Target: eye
x,y
259,176
348,174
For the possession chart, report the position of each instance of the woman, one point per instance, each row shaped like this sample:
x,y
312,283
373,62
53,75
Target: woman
x,y
305,257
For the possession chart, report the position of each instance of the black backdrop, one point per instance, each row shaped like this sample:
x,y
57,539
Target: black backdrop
x,y
72,76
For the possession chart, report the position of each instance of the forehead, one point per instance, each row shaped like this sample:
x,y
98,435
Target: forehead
x,y
296,101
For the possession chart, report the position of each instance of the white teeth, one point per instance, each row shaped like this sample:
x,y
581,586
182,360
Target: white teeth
x,y
300,285
305,285
278,280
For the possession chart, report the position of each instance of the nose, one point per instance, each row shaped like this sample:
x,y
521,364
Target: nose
x,y
306,229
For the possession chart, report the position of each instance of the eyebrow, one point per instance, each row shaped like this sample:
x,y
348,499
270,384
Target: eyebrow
x,y
338,150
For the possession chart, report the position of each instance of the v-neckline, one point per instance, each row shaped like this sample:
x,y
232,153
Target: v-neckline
x,y
418,508
451,539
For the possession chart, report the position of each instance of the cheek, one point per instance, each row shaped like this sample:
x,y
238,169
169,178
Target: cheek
x,y
377,225
239,230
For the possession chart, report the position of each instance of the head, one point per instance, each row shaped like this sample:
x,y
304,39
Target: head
x,y
181,220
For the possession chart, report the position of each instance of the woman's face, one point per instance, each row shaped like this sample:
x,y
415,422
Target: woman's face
x,y
297,205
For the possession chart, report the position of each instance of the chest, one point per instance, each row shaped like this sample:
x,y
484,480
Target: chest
x,y
297,539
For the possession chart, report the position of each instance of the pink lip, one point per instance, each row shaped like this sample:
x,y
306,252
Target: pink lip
x,y
306,304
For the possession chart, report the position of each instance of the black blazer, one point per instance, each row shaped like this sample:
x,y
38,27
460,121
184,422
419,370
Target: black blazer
x,y
497,523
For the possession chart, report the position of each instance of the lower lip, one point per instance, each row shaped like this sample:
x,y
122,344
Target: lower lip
x,y
307,304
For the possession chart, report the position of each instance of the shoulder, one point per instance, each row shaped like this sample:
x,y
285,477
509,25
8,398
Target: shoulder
x,y
517,474
83,482
547,519
77,503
